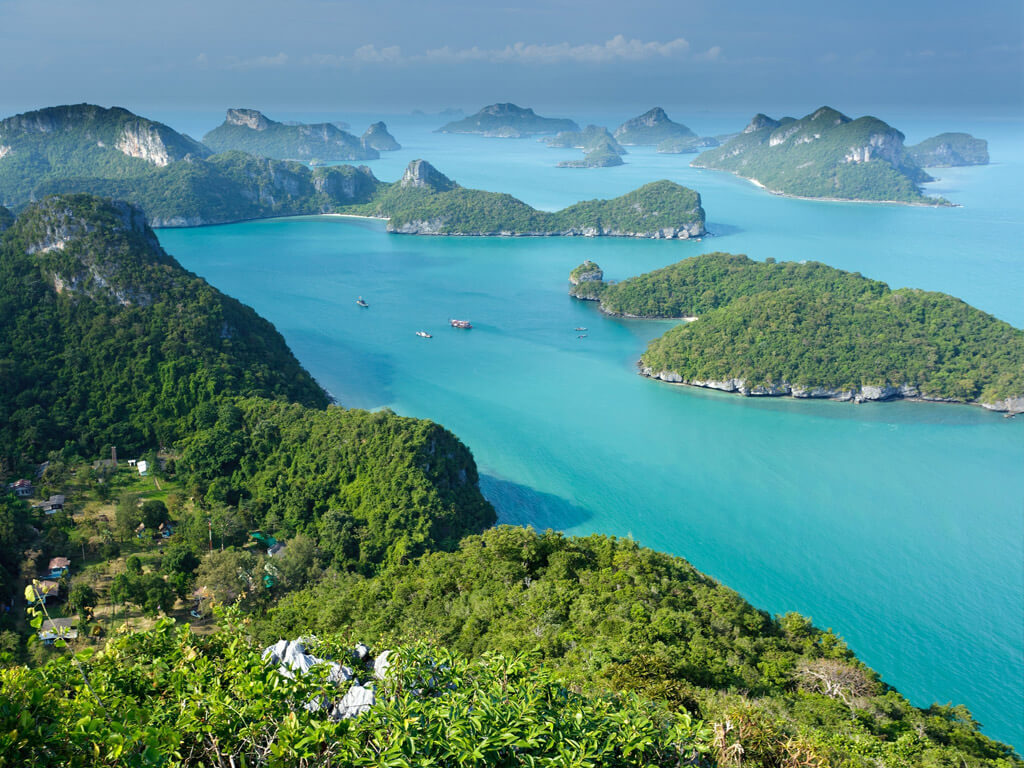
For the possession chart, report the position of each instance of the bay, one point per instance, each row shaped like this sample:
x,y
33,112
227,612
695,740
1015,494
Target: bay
x,y
899,525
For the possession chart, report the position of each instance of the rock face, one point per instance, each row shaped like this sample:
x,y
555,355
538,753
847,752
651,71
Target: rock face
x,y
248,118
652,127
377,137
508,121
949,150
143,140
586,281
421,174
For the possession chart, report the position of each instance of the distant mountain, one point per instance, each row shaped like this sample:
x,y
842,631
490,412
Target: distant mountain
x,y
950,149
652,127
824,155
377,137
249,130
508,121
681,145
590,138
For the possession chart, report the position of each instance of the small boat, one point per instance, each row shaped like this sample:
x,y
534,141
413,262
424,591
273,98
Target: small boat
x,y
582,336
361,303
424,334
460,324
581,329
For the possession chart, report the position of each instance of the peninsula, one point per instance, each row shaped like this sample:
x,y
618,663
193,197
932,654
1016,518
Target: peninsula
x,y
808,330
249,130
508,121
824,155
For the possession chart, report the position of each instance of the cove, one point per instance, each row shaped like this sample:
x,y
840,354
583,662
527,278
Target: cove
x,y
898,525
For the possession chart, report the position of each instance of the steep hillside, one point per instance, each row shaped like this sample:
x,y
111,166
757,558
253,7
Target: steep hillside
x,y
248,130
508,121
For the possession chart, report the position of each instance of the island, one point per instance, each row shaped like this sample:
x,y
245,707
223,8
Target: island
x,y
248,130
651,128
586,281
685,145
508,121
377,137
824,155
948,150
426,202
590,138
812,331
601,155
634,657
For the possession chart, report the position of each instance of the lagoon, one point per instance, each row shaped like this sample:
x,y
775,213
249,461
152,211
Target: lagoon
x,y
899,525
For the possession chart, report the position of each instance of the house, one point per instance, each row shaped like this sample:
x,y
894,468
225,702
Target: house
x,y
143,467
166,530
44,590
21,488
131,462
54,504
64,629
60,564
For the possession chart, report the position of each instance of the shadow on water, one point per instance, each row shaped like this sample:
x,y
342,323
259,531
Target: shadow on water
x,y
522,505
718,229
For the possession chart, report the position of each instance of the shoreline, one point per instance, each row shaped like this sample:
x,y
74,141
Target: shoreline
x,y
789,196
845,396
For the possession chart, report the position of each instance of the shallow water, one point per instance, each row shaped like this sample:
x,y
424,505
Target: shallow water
x,y
899,525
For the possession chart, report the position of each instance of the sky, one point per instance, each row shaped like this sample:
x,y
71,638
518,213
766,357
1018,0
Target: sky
x,y
393,56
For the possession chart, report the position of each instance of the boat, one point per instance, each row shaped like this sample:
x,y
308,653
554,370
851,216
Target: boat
x,y
581,329
361,303
460,324
582,336
424,334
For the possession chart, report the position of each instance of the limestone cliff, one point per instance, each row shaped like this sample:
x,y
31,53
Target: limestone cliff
x,y
377,137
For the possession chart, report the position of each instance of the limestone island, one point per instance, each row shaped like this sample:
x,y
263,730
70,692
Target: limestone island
x,y
508,121
687,145
603,155
808,330
824,155
426,202
590,138
950,149
377,137
248,130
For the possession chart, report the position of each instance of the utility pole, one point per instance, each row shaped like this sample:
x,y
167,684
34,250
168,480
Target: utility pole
x,y
209,528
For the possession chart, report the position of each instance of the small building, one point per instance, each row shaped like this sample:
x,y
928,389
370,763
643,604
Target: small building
x,y
21,488
44,590
166,530
53,629
277,549
131,462
54,504
140,530
143,466
60,564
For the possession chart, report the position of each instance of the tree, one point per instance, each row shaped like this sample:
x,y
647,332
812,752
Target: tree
x,y
83,598
297,564
838,679
153,513
229,574
127,515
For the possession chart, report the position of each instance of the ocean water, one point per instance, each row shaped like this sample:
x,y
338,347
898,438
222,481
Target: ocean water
x,y
898,525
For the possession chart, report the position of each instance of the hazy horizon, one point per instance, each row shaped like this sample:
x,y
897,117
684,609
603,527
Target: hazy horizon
x,y
559,56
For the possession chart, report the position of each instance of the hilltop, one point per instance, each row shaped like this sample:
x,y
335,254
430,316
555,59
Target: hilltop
x,y
652,127
249,130
508,121
377,137
950,149
590,138
825,155
808,330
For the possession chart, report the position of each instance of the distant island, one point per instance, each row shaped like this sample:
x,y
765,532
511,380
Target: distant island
x,y
508,121
824,155
590,138
811,331
950,149
603,155
377,137
685,145
426,202
249,130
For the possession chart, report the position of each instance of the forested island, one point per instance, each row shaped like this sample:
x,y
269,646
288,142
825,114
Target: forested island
x,y
600,148
248,130
508,121
809,330
511,646
601,155
824,155
426,202
948,150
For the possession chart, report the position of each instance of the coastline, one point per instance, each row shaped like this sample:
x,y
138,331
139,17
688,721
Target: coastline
x,y
789,196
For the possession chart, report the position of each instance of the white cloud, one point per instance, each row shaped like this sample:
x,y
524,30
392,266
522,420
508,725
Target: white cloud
x,y
372,54
258,62
618,48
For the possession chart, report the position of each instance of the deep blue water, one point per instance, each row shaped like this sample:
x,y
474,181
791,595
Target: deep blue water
x,y
899,525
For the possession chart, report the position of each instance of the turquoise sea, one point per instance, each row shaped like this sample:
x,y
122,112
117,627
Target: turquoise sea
x,y
899,525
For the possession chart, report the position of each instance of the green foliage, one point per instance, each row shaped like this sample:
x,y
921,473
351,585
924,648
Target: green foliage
x,y
812,157
587,281
603,155
652,127
372,487
324,141
606,614
15,533
808,325
107,340
169,697
644,211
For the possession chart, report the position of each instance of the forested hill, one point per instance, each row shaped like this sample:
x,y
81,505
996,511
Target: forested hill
x,y
810,330
106,339
824,154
